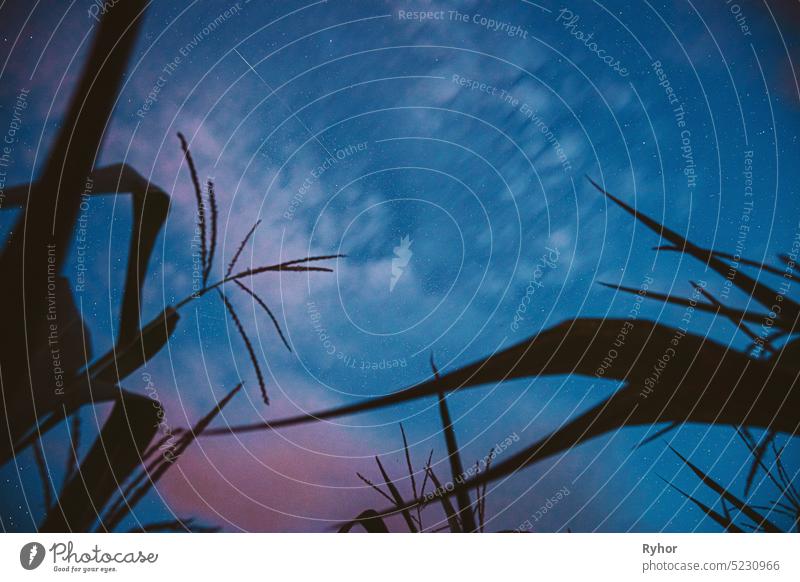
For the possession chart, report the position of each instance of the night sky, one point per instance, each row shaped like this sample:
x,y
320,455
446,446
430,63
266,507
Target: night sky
x,y
447,157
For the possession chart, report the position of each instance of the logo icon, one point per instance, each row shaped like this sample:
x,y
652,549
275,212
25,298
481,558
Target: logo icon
x,y
31,555
402,255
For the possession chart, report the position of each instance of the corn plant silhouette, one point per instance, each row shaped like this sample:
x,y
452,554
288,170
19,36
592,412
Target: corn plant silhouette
x,y
705,382
47,368
30,263
734,511
459,521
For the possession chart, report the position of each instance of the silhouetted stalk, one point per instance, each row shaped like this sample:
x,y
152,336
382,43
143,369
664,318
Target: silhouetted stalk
x,y
212,202
75,441
248,344
411,474
375,487
760,520
398,499
790,311
186,440
44,475
287,266
737,322
198,198
724,520
730,257
449,511
239,250
727,311
264,306
456,468
370,520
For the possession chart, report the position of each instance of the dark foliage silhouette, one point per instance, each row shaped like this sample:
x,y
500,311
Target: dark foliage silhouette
x,y
35,399
705,381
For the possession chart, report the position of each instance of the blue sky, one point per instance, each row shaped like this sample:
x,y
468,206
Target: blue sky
x,y
473,142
